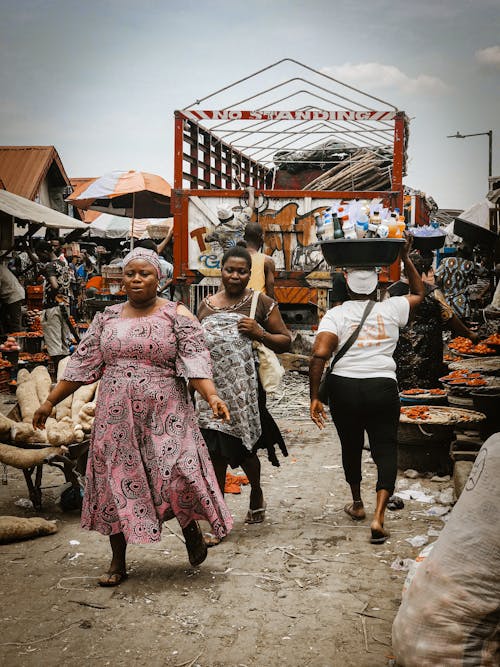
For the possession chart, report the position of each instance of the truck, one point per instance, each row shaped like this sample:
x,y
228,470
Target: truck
x,y
234,165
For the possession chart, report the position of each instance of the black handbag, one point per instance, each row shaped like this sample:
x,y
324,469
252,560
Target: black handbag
x,y
323,385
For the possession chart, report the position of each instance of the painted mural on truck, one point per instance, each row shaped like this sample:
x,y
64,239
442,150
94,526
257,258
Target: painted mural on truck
x,y
289,232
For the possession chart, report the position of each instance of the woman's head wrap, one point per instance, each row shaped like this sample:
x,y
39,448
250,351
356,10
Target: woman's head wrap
x,y
361,281
146,255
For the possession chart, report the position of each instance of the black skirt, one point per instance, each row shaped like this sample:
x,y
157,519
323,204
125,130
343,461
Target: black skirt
x,y
231,448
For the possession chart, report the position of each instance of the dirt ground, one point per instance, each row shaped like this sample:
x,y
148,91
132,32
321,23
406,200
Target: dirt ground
x,y
305,588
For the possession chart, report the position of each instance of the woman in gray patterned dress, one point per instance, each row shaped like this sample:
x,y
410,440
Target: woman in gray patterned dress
x,y
229,332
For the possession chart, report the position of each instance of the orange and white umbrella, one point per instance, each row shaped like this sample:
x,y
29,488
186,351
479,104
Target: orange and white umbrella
x,y
125,193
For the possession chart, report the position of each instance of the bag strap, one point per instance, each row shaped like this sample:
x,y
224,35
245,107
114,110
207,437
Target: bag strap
x,y
253,306
352,338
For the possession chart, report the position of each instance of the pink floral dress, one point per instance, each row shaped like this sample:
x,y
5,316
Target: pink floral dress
x,y
147,460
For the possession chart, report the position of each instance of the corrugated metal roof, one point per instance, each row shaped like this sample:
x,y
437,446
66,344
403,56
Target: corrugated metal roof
x,y
23,168
86,216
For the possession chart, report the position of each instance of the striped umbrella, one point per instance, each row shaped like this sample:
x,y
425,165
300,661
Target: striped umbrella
x,y
127,194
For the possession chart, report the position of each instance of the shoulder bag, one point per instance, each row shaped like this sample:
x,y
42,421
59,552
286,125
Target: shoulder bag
x,y
270,370
323,386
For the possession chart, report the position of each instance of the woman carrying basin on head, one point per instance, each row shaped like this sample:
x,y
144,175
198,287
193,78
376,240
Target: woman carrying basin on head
x,y
362,388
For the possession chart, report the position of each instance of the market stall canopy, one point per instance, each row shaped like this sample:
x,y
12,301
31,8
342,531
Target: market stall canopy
x,y
24,209
115,227
125,193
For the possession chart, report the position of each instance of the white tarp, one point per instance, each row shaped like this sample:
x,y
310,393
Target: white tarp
x,y
115,227
478,213
24,209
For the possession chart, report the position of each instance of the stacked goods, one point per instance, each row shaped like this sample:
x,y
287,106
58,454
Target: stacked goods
x,y
70,420
364,169
34,321
34,297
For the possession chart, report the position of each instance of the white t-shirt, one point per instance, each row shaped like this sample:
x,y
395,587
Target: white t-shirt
x,y
371,354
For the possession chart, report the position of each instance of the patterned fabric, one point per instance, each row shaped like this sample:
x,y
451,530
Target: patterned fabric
x,y
454,276
145,254
147,460
235,378
419,352
62,273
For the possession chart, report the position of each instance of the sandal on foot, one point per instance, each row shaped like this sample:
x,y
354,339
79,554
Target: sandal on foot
x,y
379,536
211,540
256,516
195,544
112,579
350,510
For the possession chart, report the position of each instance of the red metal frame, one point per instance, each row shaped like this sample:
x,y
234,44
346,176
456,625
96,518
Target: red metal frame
x,y
219,159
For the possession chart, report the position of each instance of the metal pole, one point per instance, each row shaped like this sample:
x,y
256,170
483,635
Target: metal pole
x,y
490,158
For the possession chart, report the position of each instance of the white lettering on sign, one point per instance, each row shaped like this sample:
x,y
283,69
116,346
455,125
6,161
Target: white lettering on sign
x,y
301,114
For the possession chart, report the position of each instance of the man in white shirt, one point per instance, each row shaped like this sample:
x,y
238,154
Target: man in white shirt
x,y
363,392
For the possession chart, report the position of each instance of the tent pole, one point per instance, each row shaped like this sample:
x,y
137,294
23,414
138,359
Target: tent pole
x,y
132,226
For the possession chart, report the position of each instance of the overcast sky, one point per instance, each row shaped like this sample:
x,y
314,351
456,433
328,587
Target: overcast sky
x,y
100,79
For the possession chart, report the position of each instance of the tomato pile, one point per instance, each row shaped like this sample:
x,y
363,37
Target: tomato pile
x,y
416,412
462,345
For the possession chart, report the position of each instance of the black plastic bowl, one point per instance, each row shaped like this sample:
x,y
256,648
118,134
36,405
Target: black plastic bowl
x,y
428,242
475,234
360,253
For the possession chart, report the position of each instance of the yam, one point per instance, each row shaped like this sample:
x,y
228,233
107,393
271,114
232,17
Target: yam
x,y
86,416
23,376
82,395
27,398
24,433
5,426
15,528
26,458
61,433
43,383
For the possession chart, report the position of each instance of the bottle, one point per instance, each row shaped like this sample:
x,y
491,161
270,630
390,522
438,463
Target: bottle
x,y
348,228
327,227
375,218
361,225
337,229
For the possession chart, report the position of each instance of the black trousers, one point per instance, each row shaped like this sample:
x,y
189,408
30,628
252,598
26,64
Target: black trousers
x,y
371,405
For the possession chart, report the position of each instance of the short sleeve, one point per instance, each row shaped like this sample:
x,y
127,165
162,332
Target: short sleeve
x,y
399,307
193,357
86,363
330,323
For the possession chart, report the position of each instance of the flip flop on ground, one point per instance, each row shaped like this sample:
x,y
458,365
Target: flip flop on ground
x,y
256,516
112,579
355,510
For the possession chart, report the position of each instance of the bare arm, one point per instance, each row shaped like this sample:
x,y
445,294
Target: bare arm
x,y
269,270
323,348
62,390
417,288
163,244
206,388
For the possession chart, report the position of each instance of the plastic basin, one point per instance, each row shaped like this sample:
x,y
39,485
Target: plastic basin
x,y
361,253
428,242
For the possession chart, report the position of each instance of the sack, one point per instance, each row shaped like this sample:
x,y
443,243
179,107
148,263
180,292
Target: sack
x,y
270,370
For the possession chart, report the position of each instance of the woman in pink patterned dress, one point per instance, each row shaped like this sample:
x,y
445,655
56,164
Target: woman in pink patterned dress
x,y
147,460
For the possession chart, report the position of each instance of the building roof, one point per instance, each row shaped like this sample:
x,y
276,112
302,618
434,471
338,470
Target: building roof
x,y
86,216
23,168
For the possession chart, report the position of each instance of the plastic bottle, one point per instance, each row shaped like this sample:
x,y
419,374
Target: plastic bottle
x,y
361,225
327,226
337,228
383,230
348,228
375,218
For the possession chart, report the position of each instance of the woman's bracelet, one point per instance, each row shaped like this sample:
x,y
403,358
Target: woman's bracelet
x,y
263,333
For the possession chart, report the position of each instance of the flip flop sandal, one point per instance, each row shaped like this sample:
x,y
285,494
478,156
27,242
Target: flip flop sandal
x,y
256,516
211,540
111,579
379,537
195,544
348,509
